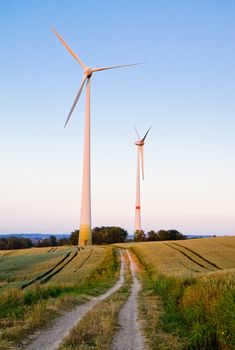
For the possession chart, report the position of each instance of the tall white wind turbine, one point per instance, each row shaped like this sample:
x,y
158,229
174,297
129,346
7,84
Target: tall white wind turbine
x,y
140,159
85,236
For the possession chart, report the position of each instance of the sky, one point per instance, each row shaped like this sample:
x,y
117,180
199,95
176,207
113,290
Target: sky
x,y
185,91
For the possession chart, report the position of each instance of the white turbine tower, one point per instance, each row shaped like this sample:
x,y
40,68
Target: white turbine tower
x,y
85,236
140,158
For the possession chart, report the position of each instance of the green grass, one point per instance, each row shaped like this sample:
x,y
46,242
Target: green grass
x,y
17,269
199,312
21,311
97,328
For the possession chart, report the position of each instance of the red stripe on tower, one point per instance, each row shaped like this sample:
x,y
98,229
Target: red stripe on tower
x,y
137,207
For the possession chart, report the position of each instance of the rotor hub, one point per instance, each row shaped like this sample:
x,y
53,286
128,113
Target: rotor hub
x,y
88,72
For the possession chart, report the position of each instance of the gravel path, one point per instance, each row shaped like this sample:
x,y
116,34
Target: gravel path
x,y
129,336
50,339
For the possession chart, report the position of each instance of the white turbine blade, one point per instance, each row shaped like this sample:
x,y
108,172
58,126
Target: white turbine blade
x,y
146,134
113,67
76,100
142,160
69,49
137,132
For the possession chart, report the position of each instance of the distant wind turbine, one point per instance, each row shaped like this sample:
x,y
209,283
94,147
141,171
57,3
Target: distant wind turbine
x,y
85,236
140,158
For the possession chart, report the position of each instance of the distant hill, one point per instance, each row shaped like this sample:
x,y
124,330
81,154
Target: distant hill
x,y
198,236
131,236
35,236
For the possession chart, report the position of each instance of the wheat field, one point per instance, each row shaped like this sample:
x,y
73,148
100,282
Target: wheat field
x,y
22,268
191,285
187,258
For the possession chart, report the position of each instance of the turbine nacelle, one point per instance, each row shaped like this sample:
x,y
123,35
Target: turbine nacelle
x,y
88,71
139,143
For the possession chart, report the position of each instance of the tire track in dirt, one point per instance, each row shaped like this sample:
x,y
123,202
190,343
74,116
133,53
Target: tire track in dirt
x,y
84,261
129,336
190,257
51,272
200,256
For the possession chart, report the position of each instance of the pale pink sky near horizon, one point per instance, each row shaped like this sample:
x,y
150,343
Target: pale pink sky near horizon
x,y
185,91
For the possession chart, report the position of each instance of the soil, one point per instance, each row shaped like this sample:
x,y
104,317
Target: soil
x,y
129,336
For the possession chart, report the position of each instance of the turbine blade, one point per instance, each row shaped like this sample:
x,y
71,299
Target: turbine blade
x,y
69,49
137,132
146,134
142,160
113,67
76,100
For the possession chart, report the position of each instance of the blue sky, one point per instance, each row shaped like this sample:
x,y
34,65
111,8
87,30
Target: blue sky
x,y
185,91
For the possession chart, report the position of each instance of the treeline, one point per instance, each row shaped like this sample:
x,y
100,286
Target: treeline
x,y
52,241
161,235
14,242
100,235
103,235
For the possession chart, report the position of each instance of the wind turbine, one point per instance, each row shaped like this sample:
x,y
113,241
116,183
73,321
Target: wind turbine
x,y
140,159
85,236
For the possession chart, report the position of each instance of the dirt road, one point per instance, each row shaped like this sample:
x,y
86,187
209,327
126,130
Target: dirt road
x,y
51,338
129,336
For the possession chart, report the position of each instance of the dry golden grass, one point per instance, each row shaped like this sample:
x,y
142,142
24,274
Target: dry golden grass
x,y
19,266
187,258
33,251
195,280
80,267
219,250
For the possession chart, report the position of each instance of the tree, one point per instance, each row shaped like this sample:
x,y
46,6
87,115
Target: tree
x,y
108,235
163,235
153,236
3,244
63,241
175,235
14,242
53,241
44,243
139,236
74,237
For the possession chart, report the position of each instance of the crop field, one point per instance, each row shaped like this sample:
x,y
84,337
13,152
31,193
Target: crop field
x,y
83,263
195,281
187,258
19,267
22,268
187,301
38,283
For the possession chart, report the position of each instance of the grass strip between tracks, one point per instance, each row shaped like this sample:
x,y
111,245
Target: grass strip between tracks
x,y
97,328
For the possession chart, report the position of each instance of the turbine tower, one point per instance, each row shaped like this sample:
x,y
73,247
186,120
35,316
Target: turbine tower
x,y
140,158
85,236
